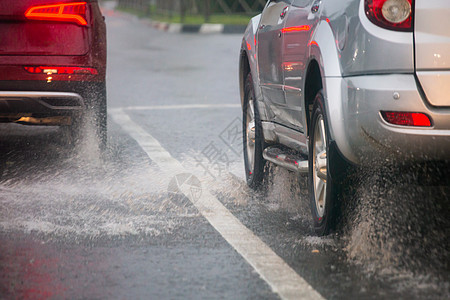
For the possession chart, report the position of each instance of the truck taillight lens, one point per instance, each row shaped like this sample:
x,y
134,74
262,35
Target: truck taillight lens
x,y
390,14
67,12
407,118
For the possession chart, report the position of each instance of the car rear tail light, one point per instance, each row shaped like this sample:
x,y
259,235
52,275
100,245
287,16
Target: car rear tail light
x,y
390,14
407,119
67,12
62,70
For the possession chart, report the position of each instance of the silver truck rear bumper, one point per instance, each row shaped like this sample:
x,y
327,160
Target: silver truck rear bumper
x,y
361,134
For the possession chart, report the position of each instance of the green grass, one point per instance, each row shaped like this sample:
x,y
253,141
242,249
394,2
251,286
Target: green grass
x,y
235,19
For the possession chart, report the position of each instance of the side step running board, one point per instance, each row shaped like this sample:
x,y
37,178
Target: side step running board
x,y
292,162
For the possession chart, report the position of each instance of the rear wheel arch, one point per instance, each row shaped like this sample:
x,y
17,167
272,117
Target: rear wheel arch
x,y
313,84
244,70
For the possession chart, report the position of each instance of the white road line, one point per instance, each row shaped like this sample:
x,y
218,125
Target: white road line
x,y
183,106
281,278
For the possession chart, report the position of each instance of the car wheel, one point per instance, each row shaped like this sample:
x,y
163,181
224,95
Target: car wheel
x,y
324,161
95,115
252,137
101,116
75,130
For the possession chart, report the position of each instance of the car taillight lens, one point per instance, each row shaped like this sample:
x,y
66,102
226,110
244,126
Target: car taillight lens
x,y
390,14
62,70
67,12
407,118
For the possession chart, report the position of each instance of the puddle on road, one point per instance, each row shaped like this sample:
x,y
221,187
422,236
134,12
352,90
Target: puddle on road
x,y
48,189
398,232
284,191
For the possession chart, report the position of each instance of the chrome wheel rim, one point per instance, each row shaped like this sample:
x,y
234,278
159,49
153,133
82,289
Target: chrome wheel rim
x,y
250,131
320,166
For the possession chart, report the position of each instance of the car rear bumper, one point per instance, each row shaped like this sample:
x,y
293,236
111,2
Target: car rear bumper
x,y
41,108
362,135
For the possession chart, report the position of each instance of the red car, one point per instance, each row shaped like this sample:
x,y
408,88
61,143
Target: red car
x,y
53,63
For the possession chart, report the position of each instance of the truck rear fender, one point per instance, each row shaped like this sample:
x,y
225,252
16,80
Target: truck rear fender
x,y
323,50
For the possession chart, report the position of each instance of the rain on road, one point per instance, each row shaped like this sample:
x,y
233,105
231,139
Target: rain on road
x,y
165,212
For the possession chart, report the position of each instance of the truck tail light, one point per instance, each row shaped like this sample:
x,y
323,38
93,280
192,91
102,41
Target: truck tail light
x,y
390,14
67,12
407,118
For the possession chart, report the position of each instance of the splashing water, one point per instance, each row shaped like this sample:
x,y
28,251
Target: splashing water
x,y
399,227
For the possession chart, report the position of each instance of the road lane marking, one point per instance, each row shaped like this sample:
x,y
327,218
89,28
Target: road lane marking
x,y
282,279
168,107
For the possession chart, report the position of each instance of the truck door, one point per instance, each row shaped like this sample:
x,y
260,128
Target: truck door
x,y
270,53
297,34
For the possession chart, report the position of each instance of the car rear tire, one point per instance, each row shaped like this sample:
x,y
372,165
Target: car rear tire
x,y
325,190
253,139
100,116
75,130
95,115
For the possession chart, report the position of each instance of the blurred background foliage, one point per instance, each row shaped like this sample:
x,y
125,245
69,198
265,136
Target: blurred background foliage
x,y
235,12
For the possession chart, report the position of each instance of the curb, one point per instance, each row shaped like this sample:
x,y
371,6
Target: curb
x,y
202,29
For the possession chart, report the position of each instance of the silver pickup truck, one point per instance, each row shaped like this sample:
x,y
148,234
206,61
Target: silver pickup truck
x,y
327,84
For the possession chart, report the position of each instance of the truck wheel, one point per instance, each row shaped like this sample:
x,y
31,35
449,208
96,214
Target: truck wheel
x,y
324,161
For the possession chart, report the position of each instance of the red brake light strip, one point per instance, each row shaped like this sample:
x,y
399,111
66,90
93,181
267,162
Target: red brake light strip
x,y
62,70
68,12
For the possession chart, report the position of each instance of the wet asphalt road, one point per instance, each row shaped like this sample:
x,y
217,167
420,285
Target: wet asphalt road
x,y
78,224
